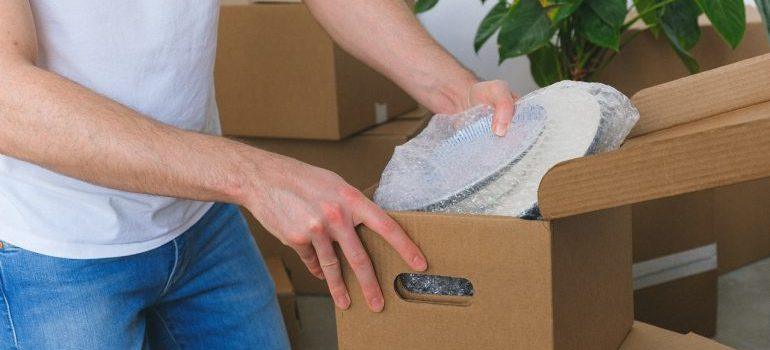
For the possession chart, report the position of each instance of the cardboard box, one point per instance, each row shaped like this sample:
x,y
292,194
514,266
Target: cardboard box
x,y
742,224
278,74
287,300
742,211
565,282
359,159
675,262
646,337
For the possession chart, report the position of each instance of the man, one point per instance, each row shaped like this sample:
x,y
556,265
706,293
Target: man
x,y
113,182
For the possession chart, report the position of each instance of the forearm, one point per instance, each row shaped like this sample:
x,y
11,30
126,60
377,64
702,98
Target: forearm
x,y
57,124
387,36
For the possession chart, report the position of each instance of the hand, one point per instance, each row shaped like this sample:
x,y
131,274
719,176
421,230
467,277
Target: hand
x,y
309,208
497,94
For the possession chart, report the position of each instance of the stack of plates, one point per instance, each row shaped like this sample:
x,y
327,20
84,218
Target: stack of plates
x,y
457,165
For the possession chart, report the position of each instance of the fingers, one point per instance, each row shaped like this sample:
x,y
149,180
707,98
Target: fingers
x,y
308,256
379,221
503,101
362,266
330,265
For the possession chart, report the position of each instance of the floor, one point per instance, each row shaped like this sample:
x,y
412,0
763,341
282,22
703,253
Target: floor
x,y
744,312
744,307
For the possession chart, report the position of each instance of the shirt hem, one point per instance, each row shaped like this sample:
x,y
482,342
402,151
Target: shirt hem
x,y
99,251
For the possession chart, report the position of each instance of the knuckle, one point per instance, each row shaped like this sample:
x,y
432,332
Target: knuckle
x,y
350,194
358,259
315,226
331,263
297,240
333,212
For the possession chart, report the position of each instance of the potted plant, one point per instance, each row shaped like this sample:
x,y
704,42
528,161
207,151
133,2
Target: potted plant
x,y
576,39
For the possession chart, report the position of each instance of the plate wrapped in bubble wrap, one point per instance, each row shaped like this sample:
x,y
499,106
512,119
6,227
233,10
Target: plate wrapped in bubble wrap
x,y
458,165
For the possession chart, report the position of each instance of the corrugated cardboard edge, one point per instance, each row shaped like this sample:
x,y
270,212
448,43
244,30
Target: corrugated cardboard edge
x,y
658,169
703,95
717,152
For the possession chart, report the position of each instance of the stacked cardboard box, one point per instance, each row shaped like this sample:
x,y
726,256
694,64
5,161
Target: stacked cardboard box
x,y
287,300
278,74
566,282
686,243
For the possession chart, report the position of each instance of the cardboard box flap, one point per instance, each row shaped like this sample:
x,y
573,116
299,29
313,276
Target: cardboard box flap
x,y
703,95
646,337
721,154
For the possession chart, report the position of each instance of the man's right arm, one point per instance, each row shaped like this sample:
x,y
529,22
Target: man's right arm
x,y
50,121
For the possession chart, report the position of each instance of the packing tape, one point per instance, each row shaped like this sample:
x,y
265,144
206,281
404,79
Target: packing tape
x,y
380,112
675,266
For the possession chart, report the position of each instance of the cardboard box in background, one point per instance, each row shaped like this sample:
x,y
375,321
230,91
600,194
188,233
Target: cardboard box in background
x,y
647,337
565,282
278,74
742,211
359,159
287,299
742,224
648,61
675,263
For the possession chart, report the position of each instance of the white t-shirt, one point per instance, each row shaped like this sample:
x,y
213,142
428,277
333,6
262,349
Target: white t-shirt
x,y
154,56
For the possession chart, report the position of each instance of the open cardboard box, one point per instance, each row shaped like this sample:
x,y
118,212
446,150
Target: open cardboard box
x,y
565,282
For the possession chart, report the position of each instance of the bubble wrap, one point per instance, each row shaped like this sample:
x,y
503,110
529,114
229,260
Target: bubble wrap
x,y
438,285
457,165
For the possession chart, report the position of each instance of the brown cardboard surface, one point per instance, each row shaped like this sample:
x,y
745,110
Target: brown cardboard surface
x,y
669,226
647,61
684,305
647,337
359,159
278,74
742,223
683,222
720,156
286,297
537,285
703,95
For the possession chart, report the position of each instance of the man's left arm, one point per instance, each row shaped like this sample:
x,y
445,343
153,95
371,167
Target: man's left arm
x,y
387,36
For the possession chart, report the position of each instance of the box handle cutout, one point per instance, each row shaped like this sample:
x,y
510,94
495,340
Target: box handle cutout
x,y
434,289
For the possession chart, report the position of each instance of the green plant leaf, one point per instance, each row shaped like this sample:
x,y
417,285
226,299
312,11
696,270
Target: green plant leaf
x,y
612,12
525,28
764,11
679,23
651,18
728,18
596,30
424,5
558,10
545,66
490,24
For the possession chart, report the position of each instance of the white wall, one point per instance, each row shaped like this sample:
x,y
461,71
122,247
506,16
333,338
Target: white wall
x,y
454,22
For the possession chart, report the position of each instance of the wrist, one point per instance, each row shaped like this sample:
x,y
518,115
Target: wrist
x,y
247,179
452,96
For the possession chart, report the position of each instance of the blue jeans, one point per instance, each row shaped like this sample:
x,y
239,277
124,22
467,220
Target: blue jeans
x,y
207,289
